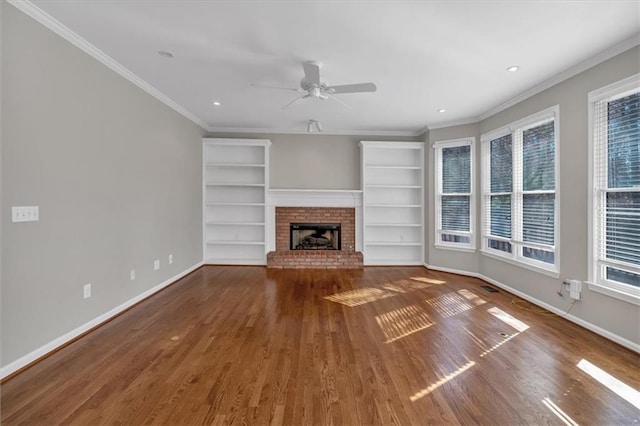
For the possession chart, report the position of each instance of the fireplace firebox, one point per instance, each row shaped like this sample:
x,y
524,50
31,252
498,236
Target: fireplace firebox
x,y
314,236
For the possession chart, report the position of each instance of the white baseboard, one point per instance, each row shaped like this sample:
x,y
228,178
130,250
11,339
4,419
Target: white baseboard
x,y
452,271
56,343
589,326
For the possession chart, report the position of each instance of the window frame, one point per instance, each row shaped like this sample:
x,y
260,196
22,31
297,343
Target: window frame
x,y
597,280
438,146
516,129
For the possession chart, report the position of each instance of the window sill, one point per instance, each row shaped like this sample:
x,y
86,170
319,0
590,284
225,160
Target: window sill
x,y
534,268
612,292
455,248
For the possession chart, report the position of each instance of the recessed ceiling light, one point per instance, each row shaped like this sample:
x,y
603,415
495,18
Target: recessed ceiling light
x,y
216,103
513,68
442,110
165,54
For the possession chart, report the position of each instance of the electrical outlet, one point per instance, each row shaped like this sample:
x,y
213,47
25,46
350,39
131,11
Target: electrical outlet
x,y
86,291
156,265
25,214
575,289
170,259
133,274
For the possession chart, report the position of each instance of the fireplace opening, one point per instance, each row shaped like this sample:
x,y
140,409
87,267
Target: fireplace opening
x,y
314,236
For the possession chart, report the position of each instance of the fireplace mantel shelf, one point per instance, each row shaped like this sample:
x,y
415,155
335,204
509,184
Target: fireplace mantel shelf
x,y
314,197
323,191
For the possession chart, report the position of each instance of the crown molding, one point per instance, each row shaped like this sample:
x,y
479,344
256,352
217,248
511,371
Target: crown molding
x,y
66,33
453,123
609,53
423,130
262,130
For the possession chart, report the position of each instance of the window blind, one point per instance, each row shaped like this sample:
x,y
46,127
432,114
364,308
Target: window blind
x,y
616,171
519,200
501,192
538,179
454,192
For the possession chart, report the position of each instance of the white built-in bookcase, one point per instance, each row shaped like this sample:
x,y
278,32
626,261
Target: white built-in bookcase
x,y
393,202
236,178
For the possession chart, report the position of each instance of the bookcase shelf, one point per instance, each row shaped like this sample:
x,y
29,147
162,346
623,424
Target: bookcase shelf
x,y
236,204
235,176
393,202
235,165
409,225
394,186
231,223
235,243
233,184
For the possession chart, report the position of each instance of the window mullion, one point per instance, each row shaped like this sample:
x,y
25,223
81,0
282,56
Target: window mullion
x,y
516,198
438,176
601,182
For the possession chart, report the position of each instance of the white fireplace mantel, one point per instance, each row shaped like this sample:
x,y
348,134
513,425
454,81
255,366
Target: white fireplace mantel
x,y
312,198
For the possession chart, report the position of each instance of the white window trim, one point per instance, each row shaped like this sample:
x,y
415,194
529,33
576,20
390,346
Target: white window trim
x,y
437,146
514,257
595,282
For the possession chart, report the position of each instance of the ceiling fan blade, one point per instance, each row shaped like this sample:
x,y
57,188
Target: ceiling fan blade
x,y
294,101
261,86
311,72
352,88
339,101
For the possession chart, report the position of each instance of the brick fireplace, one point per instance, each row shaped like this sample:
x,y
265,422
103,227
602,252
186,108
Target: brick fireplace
x,y
284,257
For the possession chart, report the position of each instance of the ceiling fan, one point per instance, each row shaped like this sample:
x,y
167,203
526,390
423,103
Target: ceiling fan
x,y
312,87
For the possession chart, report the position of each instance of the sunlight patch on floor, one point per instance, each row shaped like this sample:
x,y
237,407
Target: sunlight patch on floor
x,y
508,319
359,296
472,297
449,304
558,412
441,381
428,280
403,322
497,345
402,286
616,386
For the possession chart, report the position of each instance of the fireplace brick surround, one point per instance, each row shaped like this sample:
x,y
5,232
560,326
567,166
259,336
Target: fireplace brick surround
x,y
283,258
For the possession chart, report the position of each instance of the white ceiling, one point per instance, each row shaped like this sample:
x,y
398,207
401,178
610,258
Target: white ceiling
x,y
423,56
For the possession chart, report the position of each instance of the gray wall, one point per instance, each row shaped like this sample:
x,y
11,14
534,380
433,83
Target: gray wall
x,y
312,161
117,176
611,314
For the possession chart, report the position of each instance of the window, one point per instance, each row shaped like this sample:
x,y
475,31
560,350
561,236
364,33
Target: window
x,y
615,176
520,206
454,193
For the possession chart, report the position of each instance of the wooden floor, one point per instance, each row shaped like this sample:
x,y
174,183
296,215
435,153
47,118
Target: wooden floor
x,y
408,346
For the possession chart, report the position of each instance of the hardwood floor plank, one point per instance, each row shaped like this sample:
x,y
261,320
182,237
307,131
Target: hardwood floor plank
x,y
396,346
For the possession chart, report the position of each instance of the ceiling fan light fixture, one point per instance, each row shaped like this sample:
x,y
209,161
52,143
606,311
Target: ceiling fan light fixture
x,y
312,87
314,124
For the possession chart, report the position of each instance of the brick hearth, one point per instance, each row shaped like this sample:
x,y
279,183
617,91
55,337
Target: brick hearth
x,y
347,258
